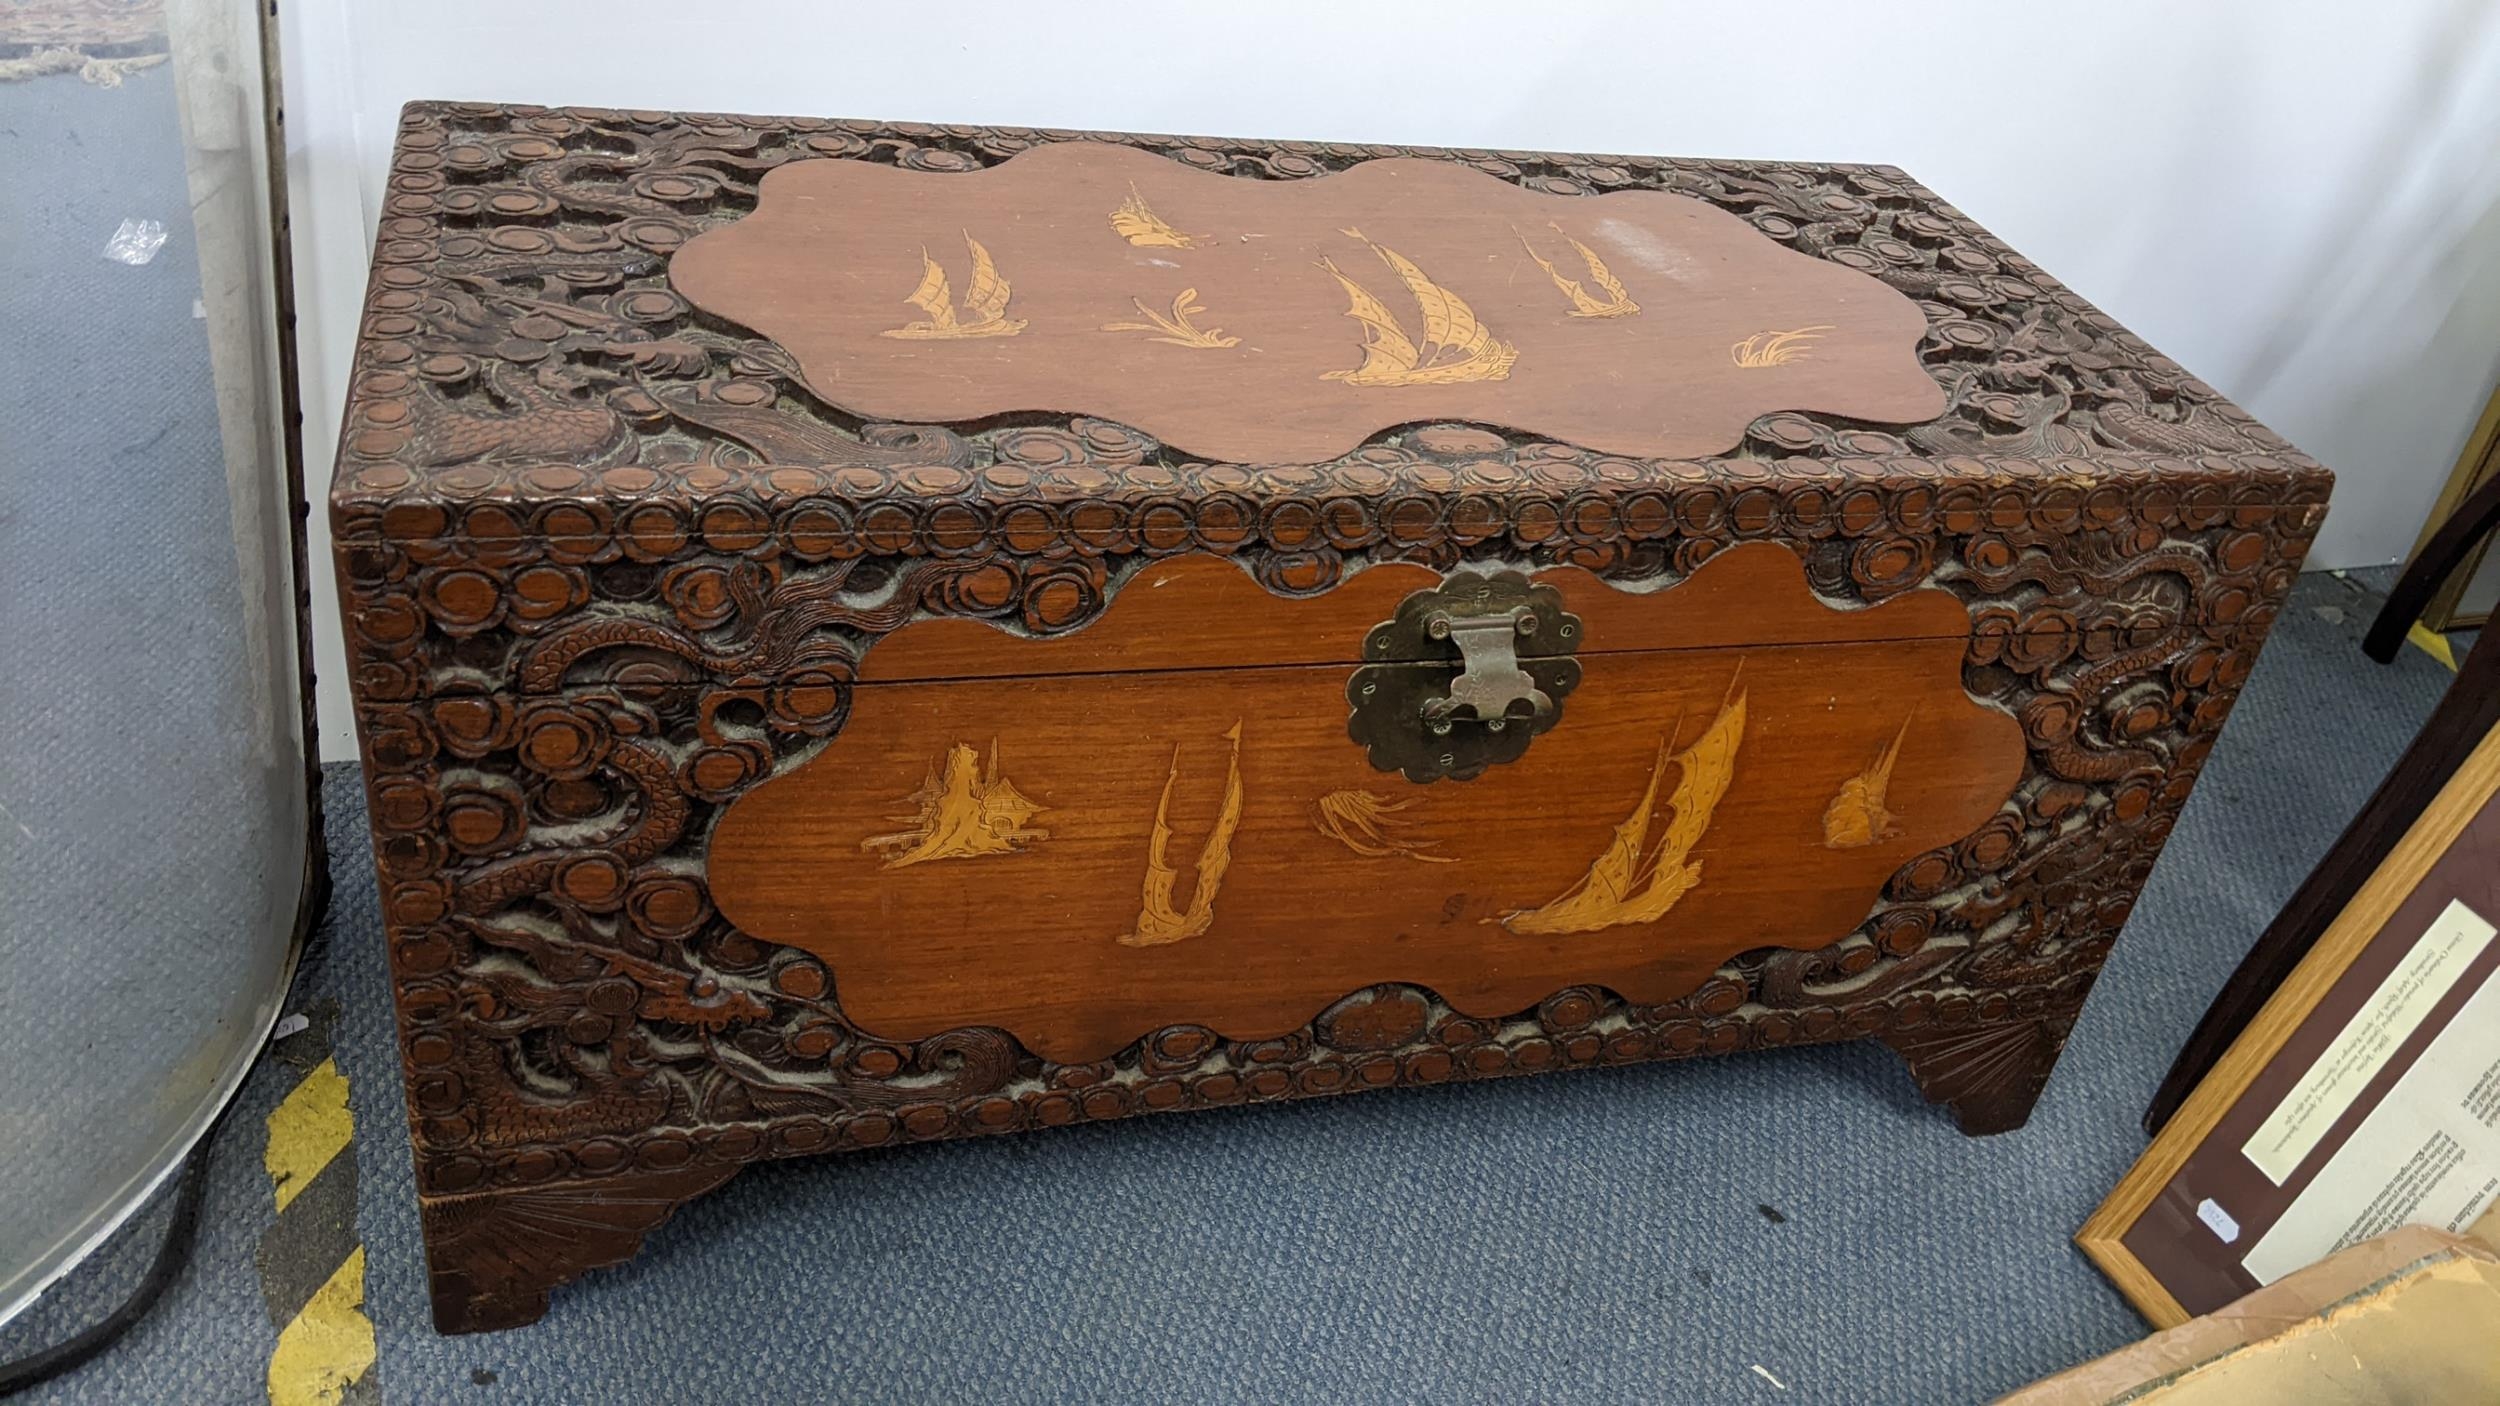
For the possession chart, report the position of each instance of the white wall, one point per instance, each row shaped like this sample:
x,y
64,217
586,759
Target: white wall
x,y
2298,199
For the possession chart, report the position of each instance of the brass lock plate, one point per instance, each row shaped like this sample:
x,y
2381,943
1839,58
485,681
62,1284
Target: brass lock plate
x,y
1464,676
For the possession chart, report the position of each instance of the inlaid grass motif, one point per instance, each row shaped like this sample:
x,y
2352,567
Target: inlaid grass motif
x,y
1368,825
1177,328
1774,348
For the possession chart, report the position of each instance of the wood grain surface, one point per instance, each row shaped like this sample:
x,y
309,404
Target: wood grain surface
x,y
1285,321
1306,873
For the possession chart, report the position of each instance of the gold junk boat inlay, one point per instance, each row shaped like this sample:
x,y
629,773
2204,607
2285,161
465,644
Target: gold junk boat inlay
x,y
962,814
984,312
1856,817
1158,921
1627,884
1145,229
1617,302
1456,348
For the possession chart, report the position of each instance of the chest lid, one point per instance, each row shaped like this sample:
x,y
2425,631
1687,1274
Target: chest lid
x,y
600,340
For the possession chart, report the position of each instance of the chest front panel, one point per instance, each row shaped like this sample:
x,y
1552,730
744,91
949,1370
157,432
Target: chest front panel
x,y
1171,818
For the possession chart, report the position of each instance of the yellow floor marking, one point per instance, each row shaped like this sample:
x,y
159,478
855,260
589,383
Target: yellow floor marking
x,y
328,1345
309,1128
2432,643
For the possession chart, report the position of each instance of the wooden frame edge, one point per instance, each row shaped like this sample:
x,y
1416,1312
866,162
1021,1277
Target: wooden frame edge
x,y
2101,1238
2477,464
2135,1283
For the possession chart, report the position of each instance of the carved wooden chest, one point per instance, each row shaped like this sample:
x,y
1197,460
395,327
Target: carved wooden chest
x,y
865,634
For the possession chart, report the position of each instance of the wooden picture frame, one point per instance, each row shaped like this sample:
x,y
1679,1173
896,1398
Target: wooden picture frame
x,y
2477,466
2173,1262
2470,707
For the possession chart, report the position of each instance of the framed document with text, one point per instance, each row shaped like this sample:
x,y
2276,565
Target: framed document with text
x,y
2365,1095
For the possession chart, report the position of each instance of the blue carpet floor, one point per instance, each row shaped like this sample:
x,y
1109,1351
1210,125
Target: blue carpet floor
x,y
1793,1227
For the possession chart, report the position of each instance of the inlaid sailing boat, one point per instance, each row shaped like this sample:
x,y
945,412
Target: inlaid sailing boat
x,y
1455,349
984,312
1856,817
1137,223
1627,886
1617,302
1158,921
962,815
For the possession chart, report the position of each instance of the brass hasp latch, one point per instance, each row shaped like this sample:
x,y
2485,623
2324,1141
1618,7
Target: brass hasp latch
x,y
1489,680
1463,676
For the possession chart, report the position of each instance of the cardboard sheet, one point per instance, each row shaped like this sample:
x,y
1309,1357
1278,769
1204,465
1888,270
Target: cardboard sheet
x,y
2412,1316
